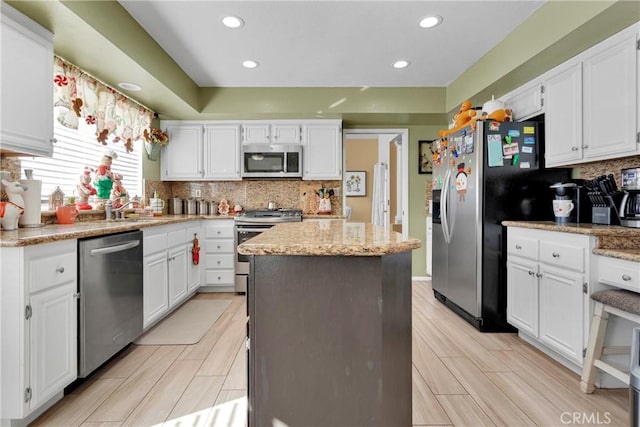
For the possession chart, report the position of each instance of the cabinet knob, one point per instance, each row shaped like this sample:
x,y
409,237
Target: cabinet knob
x,y
538,275
218,262
218,246
626,277
531,273
585,146
555,255
518,247
60,270
219,278
574,148
53,140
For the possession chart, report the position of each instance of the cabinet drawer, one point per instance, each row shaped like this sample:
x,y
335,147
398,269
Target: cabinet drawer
x,y
522,246
215,277
564,256
221,261
154,243
223,231
618,272
223,246
176,237
51,271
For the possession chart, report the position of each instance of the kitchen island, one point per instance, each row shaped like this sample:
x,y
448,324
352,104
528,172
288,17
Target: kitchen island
x,y
329,325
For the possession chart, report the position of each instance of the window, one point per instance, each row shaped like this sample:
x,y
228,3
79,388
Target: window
x,y
76,149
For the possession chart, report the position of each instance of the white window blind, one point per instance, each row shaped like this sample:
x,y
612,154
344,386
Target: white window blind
x,y
76,149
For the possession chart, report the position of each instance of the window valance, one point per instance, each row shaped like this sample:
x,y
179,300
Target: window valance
x,y
117,117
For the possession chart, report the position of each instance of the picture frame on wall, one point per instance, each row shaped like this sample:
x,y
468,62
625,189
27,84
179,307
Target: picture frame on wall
x,y
425,159
355,183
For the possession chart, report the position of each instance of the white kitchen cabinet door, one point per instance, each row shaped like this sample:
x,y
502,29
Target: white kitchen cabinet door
x,y
286,133
26,107
53,341
181,159
525,102
177,264
256,133
322,156
155,287
610,101
522,295
222,152
563,117
561,311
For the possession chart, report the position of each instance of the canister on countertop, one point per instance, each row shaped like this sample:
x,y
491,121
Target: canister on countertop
x,y
213,208
202,207
175,206
191,207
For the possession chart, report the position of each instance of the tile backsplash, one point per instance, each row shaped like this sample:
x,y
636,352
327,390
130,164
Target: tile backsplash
x,y
605,167
250,194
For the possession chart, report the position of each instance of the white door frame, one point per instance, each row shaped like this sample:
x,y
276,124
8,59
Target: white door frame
x,y
401,137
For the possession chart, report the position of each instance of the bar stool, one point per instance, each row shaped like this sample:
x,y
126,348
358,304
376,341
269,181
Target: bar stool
x,y
621,303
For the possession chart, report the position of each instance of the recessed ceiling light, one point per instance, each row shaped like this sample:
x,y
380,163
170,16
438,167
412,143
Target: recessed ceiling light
x,y
249,64
401,64
430,21
129,86
232,21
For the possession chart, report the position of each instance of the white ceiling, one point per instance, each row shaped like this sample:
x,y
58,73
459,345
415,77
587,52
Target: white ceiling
x,y
327,43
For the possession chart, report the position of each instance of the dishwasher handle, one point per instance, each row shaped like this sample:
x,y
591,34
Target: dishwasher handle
x,y
115,248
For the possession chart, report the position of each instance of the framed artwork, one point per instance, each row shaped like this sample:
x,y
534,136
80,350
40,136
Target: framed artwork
x,y
355,183
425,153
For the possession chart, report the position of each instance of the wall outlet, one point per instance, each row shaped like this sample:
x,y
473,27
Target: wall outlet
x,y
198,193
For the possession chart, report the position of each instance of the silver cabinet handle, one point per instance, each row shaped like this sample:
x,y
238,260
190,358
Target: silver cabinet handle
x,y
585,146
218,246
218,262
518,247
626,277
538,275
60,270
531,273
53,140
219,278
555,255
574,148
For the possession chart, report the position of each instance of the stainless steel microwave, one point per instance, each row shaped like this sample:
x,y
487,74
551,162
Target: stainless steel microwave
x,y
271,161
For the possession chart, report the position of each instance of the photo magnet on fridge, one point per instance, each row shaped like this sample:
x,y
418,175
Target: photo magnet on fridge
x,y
514,132
529,140
494,126
529,130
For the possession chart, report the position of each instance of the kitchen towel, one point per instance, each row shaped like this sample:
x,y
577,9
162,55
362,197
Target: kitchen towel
x,y
187,325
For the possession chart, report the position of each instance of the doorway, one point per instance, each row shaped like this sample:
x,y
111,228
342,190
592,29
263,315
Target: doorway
x,y
386,187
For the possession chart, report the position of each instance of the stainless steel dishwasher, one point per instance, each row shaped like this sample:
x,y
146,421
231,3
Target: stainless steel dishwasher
x,y
110,286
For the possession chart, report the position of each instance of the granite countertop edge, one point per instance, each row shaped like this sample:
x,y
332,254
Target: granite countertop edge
x,y
329,249
57,232
623,254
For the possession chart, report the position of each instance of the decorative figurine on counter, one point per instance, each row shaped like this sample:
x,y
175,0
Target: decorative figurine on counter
x,y
10,211
118,193
56,199
223,207
85,189
103,178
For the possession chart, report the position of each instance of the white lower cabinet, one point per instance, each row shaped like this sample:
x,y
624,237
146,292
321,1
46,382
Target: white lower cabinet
x,y
169,275
547,289
38,326
219,273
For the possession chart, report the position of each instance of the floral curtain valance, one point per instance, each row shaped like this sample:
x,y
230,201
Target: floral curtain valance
x,y
116,116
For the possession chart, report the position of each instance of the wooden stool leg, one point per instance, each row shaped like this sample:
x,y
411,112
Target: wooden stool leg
x,y
594,347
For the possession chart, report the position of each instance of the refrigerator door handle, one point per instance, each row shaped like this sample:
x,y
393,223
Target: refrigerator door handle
x,y
444,206
451,219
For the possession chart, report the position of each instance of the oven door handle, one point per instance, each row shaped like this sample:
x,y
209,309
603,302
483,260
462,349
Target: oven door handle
x,y
251,230
115,248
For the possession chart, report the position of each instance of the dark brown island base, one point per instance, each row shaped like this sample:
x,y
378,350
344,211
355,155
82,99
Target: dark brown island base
x,y
329,328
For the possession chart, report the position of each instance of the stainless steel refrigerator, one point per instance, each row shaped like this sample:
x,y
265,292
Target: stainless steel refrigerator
x,y
482,176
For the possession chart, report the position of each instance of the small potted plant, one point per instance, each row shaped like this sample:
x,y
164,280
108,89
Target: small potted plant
x,y
154,140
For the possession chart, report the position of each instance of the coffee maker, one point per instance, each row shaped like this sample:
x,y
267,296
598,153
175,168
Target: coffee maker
x,y
630,204
575,191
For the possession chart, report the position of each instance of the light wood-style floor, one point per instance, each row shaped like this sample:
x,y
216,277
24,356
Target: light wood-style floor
x,y
461,377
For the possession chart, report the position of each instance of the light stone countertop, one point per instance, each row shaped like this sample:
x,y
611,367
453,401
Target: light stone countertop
x,y
56,232
612,240
328,238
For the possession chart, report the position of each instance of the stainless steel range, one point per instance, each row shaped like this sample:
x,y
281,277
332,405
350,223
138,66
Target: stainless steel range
x,y
251,223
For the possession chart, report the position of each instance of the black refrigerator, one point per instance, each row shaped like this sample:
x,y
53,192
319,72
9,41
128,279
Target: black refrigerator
x,y
483,175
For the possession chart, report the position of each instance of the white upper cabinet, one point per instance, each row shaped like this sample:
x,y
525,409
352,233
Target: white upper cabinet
x,y
322,155
271,133
201,151
26,118
222,152
591,103
182,157
563,117
526,101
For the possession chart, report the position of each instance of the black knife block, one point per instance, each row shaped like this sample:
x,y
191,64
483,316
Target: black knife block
x,y
607,215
